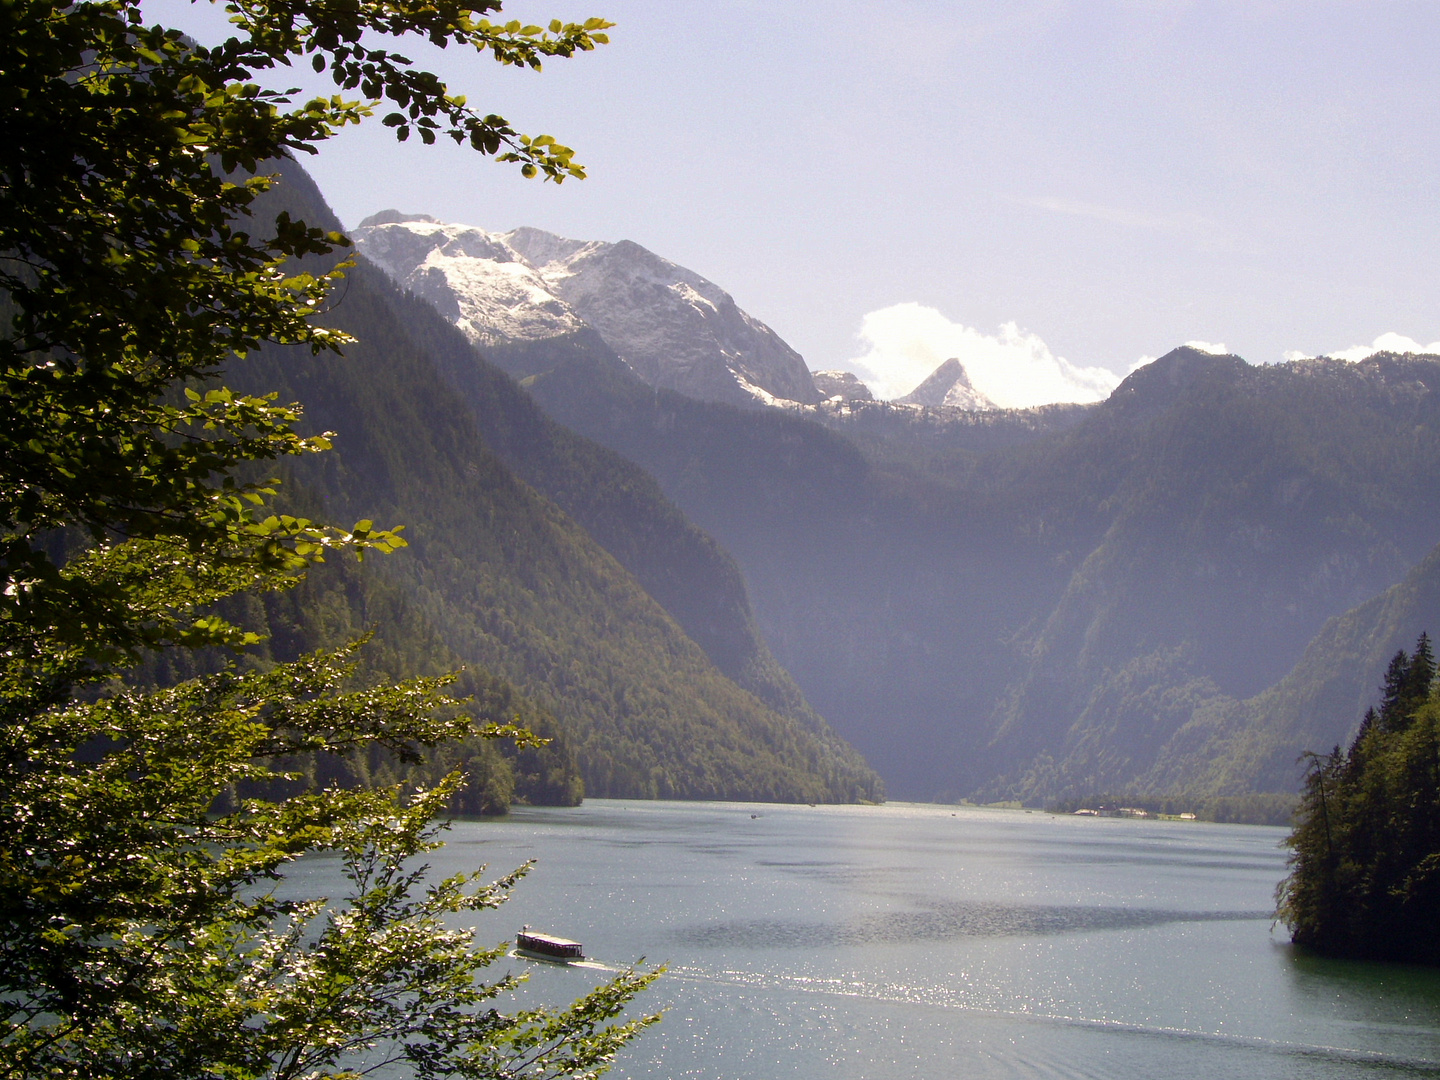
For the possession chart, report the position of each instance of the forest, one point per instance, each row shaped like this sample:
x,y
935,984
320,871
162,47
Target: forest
x,y
1364,876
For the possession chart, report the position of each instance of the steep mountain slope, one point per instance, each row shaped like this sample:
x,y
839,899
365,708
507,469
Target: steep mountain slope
x,y
622,507
509,582
1231,746
673,327
866,583
1232,510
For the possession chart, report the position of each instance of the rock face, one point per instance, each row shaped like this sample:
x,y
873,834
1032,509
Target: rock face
x,y
948,385
845,385
673,327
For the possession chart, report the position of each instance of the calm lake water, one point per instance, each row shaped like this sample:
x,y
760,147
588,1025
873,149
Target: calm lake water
x,y
907,941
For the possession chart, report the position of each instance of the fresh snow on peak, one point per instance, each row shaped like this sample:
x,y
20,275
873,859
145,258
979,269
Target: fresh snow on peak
x,y
387,217
540,248
675,328
473,277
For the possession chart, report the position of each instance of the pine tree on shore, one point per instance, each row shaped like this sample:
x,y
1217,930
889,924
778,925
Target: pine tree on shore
x,y
1364,876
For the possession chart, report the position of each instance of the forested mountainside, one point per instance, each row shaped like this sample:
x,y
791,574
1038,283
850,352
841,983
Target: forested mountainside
x,y
1229,745
623,508
854,571
939,442
1226,512
506,580
1031,605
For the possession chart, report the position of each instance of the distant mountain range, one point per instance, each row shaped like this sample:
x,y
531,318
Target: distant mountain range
x,y
1035,604
1172,592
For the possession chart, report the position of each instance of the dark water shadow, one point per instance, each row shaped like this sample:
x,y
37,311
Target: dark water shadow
x,y
945,922
1400,995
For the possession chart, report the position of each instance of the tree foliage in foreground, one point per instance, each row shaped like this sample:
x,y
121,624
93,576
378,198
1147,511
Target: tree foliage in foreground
x,y
143,929
1365,866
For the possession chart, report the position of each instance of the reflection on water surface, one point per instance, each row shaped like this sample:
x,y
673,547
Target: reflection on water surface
x,y
949,921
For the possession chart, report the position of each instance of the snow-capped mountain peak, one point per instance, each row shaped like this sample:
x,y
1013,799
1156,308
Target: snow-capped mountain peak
x,y
475,278
949,384
675,328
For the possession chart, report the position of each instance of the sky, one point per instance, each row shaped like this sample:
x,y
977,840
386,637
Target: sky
x,y
1053,191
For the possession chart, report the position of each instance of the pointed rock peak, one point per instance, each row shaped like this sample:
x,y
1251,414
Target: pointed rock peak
x,y
1190,352
949,384
845,385
395,217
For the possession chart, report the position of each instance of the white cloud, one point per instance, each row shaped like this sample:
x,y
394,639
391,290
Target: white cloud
x,y
1387,342
905,342
1208,346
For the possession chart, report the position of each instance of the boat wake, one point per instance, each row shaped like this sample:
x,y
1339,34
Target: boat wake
x,y
904,995
587,965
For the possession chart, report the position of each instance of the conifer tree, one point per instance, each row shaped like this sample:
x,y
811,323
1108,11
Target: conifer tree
x,y
1393,690
1364,875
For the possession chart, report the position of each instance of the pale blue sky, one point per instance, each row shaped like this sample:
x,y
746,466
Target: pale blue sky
x,y
1113,177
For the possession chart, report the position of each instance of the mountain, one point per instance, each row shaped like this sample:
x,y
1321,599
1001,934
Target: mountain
x,y
1231,510
845,385
500,577
859,574
674,328
947,385
1031,604
1231,746
621,507
1038,604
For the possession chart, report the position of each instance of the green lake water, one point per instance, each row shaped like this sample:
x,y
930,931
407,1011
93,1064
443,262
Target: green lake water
x,y
915,941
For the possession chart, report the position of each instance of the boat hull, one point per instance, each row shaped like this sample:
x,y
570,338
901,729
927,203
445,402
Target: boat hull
x,y
557,950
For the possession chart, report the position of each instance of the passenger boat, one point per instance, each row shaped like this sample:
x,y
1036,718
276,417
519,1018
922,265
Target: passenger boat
x,y
547,947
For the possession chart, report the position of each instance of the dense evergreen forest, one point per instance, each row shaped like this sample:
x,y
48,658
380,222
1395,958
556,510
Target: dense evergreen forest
x,y
1365,869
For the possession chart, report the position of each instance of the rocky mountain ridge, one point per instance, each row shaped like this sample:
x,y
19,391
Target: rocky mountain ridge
x,y
841,386
674,328
555,572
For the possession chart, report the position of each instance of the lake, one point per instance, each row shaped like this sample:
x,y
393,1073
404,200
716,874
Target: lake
x,y
918,941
